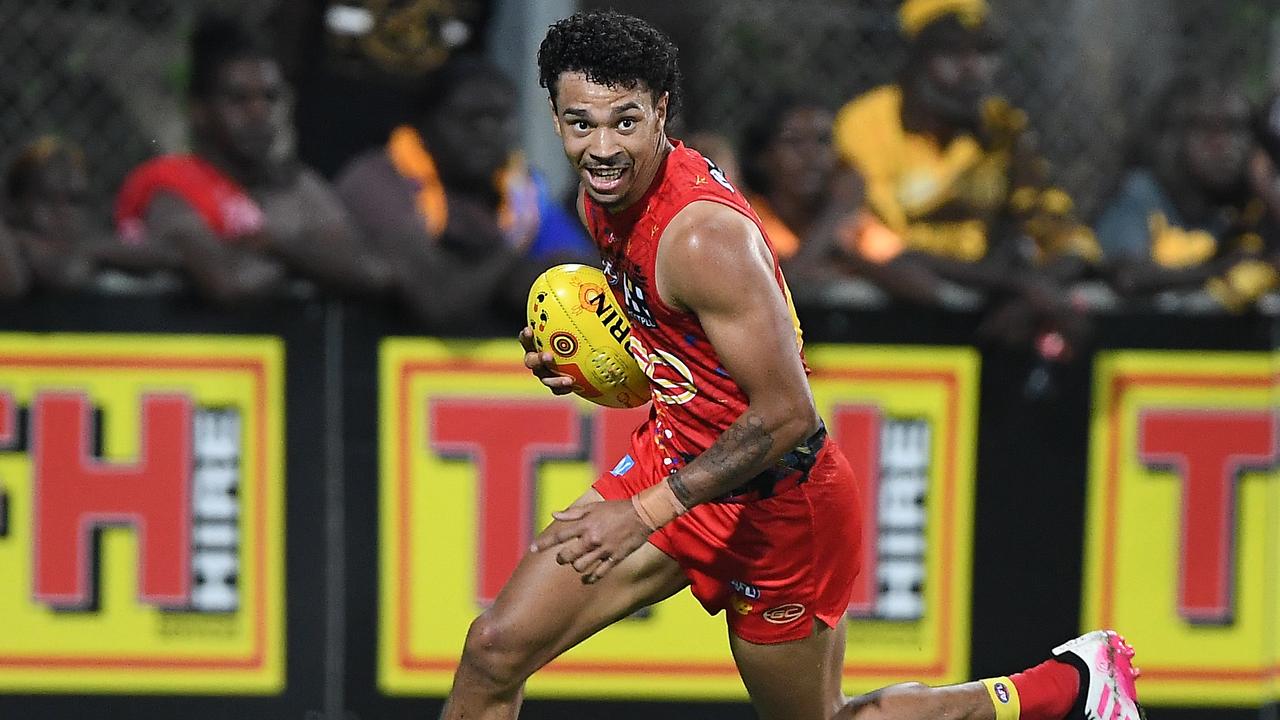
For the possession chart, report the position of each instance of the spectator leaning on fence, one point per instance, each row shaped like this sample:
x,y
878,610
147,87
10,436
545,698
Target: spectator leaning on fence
x,y
812,206
64,242
951,168
243,213
47,190
450,201
1200,208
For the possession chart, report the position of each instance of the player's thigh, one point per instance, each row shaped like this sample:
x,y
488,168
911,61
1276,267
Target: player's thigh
x,y
795,680
545,608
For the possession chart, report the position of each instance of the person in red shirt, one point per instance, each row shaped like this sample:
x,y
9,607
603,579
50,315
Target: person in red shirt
x,y
730,487
245,216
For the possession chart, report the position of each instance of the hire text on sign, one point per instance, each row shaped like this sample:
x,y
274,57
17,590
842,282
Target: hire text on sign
x,y
141,522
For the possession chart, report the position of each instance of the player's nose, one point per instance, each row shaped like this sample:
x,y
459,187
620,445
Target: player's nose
x,y
605,147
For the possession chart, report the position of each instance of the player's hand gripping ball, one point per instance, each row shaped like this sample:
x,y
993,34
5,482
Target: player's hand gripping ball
x,y
574,317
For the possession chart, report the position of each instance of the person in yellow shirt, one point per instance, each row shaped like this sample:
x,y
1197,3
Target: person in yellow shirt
x,y
1200,210
951,168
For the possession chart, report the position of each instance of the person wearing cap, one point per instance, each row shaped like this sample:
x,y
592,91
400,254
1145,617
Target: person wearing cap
x,y
950,167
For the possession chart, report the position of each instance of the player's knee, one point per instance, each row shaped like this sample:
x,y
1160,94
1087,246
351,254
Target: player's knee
x,y
494,655
908,689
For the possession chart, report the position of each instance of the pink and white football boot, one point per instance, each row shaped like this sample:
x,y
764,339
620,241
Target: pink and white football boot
x,y
1107,676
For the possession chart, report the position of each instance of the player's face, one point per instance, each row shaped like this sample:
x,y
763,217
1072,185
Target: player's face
x,y
615,137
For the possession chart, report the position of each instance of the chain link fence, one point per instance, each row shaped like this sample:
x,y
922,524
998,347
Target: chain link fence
x,y
109,74
1085,70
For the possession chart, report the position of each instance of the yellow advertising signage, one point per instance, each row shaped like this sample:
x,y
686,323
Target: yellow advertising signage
x,y
141,514
475,455
1183,532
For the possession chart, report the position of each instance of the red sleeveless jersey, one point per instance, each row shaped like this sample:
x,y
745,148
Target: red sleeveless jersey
x,y
694,399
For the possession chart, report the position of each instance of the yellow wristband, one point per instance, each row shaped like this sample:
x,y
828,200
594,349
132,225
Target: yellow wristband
x,y
1004,696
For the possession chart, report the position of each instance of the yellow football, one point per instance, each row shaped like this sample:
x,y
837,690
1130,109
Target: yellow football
x,y
575,317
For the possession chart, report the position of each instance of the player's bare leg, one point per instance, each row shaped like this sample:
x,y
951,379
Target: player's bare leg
x,y
909,701
798,680
543,610
1091,676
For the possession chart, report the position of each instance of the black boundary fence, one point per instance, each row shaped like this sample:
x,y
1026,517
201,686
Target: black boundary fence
x,y
1028,540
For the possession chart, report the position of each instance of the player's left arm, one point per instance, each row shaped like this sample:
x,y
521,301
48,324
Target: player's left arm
x,y
713,262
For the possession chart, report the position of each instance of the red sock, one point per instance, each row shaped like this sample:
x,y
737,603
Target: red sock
x,y
1048,690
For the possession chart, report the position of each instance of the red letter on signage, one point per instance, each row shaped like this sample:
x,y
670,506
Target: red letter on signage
x,y
505,439
1209,450
8,422
7,435
857,430
76,494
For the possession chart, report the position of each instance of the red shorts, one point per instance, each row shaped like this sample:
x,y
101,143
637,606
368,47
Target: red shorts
x,y
772,564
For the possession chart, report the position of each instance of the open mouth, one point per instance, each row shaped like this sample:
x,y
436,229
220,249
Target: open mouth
x,y
605,180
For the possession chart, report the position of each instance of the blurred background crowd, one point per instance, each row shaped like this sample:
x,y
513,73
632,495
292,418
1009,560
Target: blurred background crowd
x,y
1038,163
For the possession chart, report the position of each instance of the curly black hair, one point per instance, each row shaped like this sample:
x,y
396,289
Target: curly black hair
x,y
611,49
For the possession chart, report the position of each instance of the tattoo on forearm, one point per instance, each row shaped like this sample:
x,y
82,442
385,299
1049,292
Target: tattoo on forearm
x,y
736,455
683,494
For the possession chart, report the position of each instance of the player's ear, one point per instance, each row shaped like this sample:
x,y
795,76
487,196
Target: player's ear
x,y
555,116
661,110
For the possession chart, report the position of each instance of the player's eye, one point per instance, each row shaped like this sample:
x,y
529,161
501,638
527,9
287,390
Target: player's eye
x,y
581,126
626,124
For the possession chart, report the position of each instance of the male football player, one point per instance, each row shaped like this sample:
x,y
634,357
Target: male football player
x,y
731,487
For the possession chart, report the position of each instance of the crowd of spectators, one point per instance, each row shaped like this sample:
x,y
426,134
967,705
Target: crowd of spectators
x,y
931,190
928,191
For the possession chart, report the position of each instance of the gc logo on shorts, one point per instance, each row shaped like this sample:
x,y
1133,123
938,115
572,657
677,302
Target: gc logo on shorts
x,y
784,614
